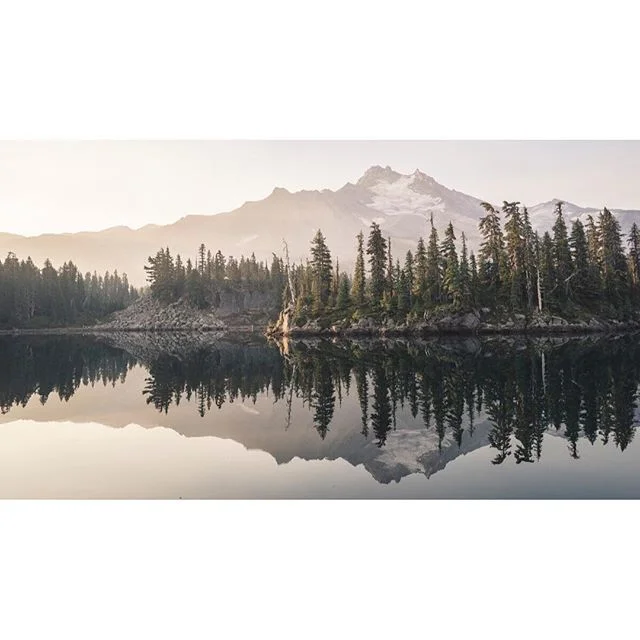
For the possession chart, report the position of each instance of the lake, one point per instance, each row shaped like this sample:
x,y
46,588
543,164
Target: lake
x,y
207,416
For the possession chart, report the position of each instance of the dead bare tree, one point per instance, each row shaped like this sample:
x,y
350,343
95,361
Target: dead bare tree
x,y
288,267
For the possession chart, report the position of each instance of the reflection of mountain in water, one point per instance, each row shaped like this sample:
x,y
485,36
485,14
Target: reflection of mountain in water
x,y
395,407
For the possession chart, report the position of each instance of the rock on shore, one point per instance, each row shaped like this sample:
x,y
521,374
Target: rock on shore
x,y
147,314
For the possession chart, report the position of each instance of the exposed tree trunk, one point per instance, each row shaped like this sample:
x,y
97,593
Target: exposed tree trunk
x,y
286,255
539,292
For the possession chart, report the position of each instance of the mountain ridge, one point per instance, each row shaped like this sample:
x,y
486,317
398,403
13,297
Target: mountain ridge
x,y
402,204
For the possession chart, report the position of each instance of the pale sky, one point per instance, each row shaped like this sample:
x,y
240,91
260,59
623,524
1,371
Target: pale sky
x,y
54,187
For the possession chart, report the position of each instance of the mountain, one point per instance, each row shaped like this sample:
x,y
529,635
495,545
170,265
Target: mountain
x,y
401,204
542,215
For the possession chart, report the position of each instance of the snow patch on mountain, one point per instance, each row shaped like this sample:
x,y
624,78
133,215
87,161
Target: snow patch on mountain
x,y
543,215
399,199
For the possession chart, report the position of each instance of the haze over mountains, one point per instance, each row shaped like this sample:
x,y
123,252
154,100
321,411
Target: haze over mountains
x,y
401,204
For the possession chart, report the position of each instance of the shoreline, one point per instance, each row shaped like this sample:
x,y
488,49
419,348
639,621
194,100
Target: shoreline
x,y
103,330
350,332
417,332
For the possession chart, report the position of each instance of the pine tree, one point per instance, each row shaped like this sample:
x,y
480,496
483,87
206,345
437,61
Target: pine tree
x,y
530,260
404,293
634,261
515,254
343,299
219,265
420,291
358,285
377,252
180,278
450,284
476,293
547,272
579,283
335,284
613,261
492,259
201,259
322,272
561,254
409,278
160,275
593,249
465,276
390,278
433,275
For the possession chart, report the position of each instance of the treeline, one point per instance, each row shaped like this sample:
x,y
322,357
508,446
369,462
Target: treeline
x,y
172,278
584,269
33,297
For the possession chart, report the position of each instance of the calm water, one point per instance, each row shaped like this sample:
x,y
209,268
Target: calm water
x,y
181,416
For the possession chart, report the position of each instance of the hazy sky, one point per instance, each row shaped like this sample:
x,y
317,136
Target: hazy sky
x,y
75,186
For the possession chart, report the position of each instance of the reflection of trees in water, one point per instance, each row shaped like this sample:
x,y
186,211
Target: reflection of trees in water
x,y
582,389
323,399
52,364
213,376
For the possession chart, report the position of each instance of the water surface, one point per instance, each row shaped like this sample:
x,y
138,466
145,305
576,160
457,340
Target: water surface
x,y
201,416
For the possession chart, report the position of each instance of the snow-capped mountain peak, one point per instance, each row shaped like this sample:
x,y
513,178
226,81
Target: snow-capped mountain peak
x,y
374,175
403,204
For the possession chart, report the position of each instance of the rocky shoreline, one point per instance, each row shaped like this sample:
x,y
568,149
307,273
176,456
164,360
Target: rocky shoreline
x,y
468,323
149,316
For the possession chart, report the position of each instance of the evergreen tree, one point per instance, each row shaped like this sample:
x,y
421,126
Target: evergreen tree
x,y
358,285
561,254
322,271
180,278
420,290
531,265
492,259
433,275
547,272
580,283
515,254
476,293
634,261
202,259
465,276
343,299
390,280
613,261
450,283
376,250
409,278
404,293
593,251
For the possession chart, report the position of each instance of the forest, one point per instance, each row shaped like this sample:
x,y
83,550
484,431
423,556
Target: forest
x,y
584,270
587,269
172,278
38,298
